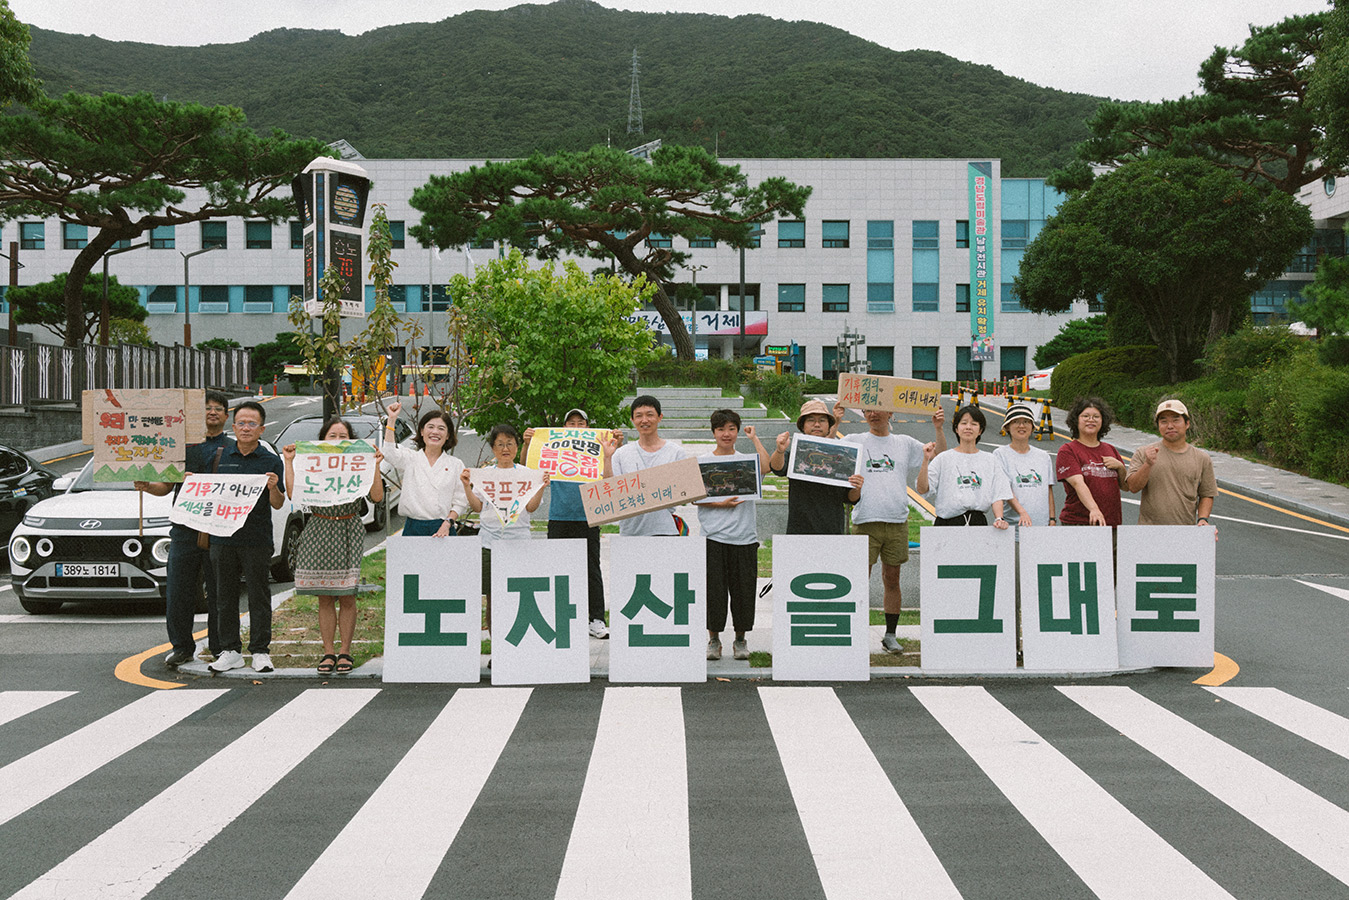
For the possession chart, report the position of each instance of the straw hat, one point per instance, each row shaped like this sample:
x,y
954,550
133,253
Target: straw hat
x,y
814,408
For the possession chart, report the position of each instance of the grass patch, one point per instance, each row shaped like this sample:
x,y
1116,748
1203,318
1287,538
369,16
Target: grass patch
x,y
906,617
486,649
766,559
916,521
760,659
890,661
295,624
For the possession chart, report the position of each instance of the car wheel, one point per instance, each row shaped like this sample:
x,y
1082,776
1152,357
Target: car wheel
x,y
40,607
284,567
381,516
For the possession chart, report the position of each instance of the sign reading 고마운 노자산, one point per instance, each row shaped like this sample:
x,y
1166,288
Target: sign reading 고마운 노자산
x,y
142,435
858,391
330,473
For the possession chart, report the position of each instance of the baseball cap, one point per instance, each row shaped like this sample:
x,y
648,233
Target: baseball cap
x,y
1174,406
576,412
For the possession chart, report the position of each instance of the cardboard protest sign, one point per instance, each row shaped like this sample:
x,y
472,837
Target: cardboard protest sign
x,y
142,435
217,504
540,594
859,391
736,475
1068,599
505,492
824,460
433,610
658,617
969,599
658,487
330,473
1166,595
568,454
820,608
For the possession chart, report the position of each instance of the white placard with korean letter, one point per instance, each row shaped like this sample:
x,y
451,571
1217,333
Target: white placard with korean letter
x,y
968,579
821,597
433,610
540,592
658,609
1166,595
330,473
1067,600
217,504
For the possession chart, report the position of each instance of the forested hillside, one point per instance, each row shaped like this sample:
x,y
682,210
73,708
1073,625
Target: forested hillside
x,y
557,76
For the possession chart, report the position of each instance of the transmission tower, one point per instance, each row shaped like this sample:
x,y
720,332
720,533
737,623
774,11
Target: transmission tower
x,y
635,101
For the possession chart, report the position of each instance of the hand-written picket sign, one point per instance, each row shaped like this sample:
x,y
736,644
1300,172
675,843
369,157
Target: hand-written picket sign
x,y
820,608
969,599
858,391
1166,595
1068,599
658,487
142,435
659,610
329,473
506,491
540,594
217,504
433,610
568,454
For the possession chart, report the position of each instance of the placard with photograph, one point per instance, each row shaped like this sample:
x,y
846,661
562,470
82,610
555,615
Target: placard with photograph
x,y
736,475
824,460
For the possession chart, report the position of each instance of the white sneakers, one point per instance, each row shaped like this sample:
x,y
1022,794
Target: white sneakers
x,y
262,662
598,629
228,659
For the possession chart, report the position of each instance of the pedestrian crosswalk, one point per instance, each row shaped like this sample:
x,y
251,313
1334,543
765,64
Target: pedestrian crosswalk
x,y
1096,790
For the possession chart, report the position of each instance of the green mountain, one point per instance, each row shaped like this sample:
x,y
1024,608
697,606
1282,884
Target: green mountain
x,y
552,77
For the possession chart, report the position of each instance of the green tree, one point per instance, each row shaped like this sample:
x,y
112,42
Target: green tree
x,y
1182,241
45,304
270,358
1328,90
218,343
124,165
1076,336
605,204
547,340
1326,303
18,84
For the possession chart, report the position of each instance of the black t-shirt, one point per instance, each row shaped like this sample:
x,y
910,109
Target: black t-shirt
x,y
814,508
199,459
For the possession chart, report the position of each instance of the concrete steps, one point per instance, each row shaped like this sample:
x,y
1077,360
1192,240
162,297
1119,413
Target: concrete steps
x,y
687,412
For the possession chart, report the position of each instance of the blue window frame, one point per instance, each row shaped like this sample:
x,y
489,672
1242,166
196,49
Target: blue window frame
x,y
791,298
925,297
926,234
257,235
834,235
835,298
398,234
791,235
163,237
962,298
880,297
32,235
74,237
297,235
880,235
924,363
214,234
962,233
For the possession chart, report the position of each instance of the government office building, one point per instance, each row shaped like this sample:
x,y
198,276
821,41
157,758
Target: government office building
x,y
884,253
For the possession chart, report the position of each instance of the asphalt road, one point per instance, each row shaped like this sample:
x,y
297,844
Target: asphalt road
x,y
1146,785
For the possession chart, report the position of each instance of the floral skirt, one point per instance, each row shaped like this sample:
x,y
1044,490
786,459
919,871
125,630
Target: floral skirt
x,y
331,544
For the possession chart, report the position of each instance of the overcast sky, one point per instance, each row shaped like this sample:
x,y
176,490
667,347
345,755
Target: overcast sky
x,y
1140,50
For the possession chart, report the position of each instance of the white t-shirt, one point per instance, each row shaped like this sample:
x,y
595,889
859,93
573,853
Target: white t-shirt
x,y
886,466
632,458
494,532
1032,475
963,482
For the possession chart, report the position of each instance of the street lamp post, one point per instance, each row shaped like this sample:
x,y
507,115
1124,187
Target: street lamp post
x,y
757,232
187,298
106,314
693,308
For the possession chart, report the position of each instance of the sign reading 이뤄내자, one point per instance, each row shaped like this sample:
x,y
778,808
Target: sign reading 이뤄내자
x,y
858,391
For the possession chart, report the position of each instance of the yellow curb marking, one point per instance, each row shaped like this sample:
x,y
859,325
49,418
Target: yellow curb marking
x,y
129,669
1224,670
63,458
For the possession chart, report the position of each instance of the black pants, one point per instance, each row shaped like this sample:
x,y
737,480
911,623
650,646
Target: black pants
x,y
732,569
563,529
249,564
973,517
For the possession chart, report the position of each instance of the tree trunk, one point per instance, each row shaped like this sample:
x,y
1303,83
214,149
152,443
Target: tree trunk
x,y
79,270
683,342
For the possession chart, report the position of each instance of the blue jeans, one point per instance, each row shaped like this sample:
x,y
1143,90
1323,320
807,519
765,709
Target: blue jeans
x,y
251,564
187,565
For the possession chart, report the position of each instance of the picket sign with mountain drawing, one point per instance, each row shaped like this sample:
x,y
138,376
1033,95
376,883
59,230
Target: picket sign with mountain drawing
x,y
142,435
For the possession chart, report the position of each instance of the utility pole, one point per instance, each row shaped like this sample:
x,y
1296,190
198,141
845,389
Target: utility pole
x,y
635,101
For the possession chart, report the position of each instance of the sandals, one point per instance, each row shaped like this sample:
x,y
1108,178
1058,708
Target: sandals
x,y
344,664
327,664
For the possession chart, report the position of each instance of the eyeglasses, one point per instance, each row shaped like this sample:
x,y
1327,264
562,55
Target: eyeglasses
x,y
246,426
216,409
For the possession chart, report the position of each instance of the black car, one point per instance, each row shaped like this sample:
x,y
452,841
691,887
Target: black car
x,y
23,482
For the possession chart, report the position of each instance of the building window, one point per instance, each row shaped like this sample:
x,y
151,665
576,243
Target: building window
x,y
829,363
32,236
1096,304
967,370
880,297
297,235
924,363
835,235
1010,302
791,298
122,245
74,237
925,298
702,243
163,298
962,233
881,360
926,235
835,298
880,235
214,298
791,234
440,298
1011,362
213,235
962,298
1014,233
658,240
397,234
258,298
258,235
398,297
163,237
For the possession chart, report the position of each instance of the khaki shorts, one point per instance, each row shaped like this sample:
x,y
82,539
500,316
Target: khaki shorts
x,y
886,541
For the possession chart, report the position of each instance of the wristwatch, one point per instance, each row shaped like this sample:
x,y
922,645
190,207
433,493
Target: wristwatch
x,y
1204,519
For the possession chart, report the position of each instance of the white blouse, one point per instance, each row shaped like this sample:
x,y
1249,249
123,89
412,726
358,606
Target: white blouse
x,y
428,491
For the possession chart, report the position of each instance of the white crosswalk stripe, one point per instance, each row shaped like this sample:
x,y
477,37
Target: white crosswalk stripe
x,y
1307,720
14,704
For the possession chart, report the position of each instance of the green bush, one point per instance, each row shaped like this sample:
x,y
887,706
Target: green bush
x,y
1106,373
675,372
1298,412
1076,336
1249,350
1334,350
779,391
812,385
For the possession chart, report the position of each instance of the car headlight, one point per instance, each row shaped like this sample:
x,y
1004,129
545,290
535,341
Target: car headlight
x,y
158,522
131,547
20,550
45,547
34,521
160,550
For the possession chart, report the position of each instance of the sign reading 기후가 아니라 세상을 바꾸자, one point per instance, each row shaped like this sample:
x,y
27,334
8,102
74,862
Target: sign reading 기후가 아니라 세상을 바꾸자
x,y
217,504
142,435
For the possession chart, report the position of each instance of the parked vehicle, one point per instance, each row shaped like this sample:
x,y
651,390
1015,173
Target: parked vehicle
x,y
371,430
23,482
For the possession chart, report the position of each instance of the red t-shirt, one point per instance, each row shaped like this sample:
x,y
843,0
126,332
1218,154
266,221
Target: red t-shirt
x,y
1076,458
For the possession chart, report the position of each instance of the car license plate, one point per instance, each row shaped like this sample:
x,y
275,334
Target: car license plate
x,y
88,570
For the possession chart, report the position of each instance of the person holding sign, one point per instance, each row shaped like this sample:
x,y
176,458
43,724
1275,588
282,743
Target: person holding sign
x,y
433,498
813,508
1029,469
649,450
504,441
732,546
966,480
1092,469
328,559
1176,478
246,554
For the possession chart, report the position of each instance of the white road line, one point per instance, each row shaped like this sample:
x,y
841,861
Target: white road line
x,y
14,704
1306,720
1111,849
28,781
392,847
1306,822
1334,592
133,856
853,818
631,834
1337,537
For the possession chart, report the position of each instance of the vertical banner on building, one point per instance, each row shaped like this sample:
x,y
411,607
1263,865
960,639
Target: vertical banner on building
x,y
969,599
433,610
1067,599
540,594
821,594
981,262
1166,595
658,610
